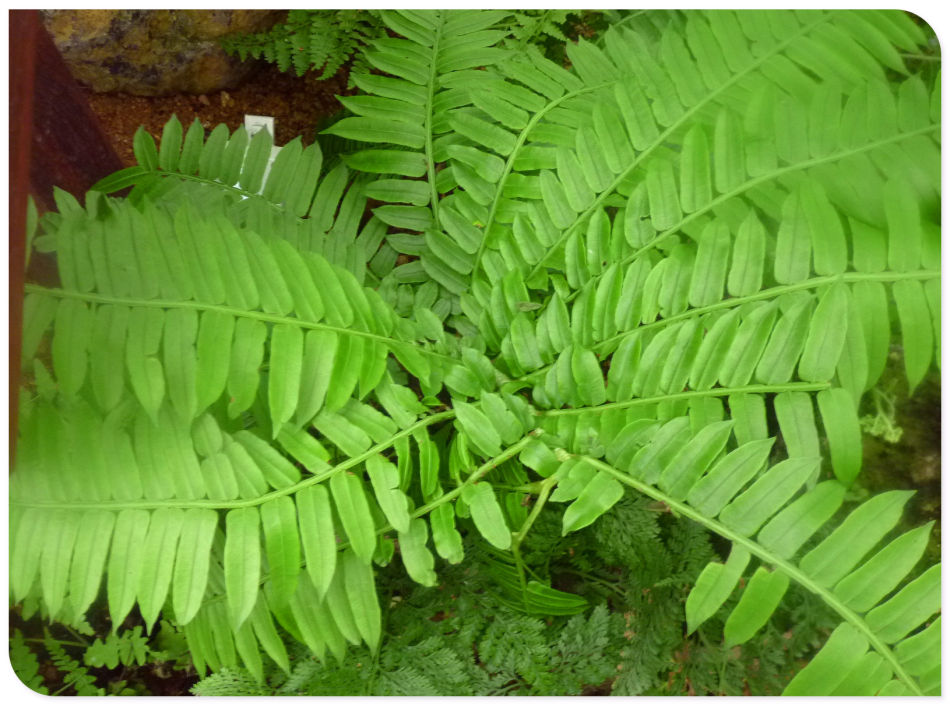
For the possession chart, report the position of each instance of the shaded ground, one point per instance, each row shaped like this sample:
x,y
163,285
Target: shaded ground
x,y
297,104
913,461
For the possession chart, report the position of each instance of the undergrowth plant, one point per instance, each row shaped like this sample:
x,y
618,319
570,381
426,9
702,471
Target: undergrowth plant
x,y
470,636
325,40
311,40
670,271
114,660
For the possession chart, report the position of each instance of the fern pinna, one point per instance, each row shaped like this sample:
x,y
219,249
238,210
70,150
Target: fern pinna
x,y
635,274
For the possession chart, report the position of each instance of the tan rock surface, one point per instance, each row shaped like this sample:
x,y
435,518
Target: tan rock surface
x,y
154,52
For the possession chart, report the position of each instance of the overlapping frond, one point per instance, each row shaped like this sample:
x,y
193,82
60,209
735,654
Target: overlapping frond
x,y
134,464
633,273
318,209
189,308
410,112
310,40
204,517
713,473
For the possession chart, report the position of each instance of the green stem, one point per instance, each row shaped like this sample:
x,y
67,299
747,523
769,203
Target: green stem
x,y
509,164
770,293
237,312
73,632
64,642
766,556
516,538
522,580
430,161
746,186
546,486
921,57
717,392
254,501
532,488
238,191
770,176
478,474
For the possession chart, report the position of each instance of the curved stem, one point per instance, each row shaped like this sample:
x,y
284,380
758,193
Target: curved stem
x,y
430,160
478,474
238,191
770,293
254,501
692,394
764,178
237,312
766,556
757,181
509,164
661,141
546,486
921,57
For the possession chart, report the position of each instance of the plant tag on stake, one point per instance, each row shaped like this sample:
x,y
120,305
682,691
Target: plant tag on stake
x,y
254,124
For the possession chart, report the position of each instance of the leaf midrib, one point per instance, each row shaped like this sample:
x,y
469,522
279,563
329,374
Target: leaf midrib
x,y
692,394
772,293
226,187
509,163
476,475
430,101
253,501
231,311
770,176
764,294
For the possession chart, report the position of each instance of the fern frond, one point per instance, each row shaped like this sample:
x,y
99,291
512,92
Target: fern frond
x,y
533,26
25,665
634,273
74,675
411,110
228,682
761,521
310,40
676,281
317,212
190,308
181,461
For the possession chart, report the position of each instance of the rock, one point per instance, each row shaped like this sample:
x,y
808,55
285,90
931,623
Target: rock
x,y
154,52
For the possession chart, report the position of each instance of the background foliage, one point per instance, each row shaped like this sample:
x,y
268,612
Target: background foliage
x,y
267,396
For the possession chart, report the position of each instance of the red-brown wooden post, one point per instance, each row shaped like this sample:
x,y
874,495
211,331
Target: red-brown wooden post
x,y
55,140
23,30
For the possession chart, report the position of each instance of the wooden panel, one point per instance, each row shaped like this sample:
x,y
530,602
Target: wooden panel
x,y
23,29
55,140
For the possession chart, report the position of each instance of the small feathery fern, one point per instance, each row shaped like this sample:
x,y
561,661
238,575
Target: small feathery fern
x,y
75,676
456,645
311,40
25,664
580,282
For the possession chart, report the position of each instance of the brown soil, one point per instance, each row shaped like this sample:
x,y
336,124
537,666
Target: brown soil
x,y
296,103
